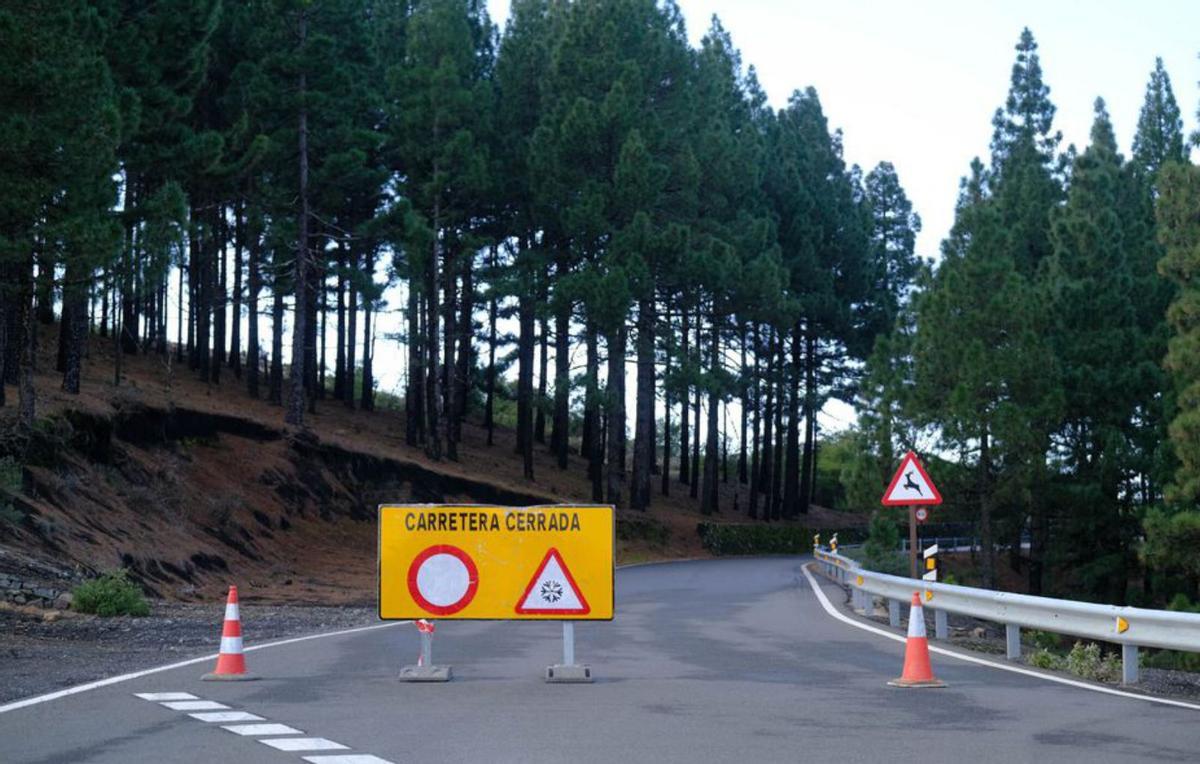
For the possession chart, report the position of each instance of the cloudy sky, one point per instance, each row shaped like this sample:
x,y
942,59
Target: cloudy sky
x,y
916,82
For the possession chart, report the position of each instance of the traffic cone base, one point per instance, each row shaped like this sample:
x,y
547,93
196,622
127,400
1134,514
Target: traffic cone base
x,y
918,673
231,663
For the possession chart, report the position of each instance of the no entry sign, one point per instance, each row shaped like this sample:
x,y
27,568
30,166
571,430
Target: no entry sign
x,y
496,563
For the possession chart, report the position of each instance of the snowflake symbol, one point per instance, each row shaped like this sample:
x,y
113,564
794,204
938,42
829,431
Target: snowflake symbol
x,y
552,591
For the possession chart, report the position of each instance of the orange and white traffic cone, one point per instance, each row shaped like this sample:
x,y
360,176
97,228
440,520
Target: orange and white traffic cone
x,y
917,671
231,663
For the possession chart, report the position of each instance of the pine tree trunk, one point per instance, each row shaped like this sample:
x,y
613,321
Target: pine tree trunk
x,y
60,357
489,418
592,442
742,466
449,364
810,397
685,360
221,237
275,384
414,395
525,345
694,488
539,423
339,362
777,467
433,401
348,395
709,502
615,478
179,346
296,395
643,438
203,302
666,431
235,314
254,266
74,325
792,489
464,365
367,396
322,335
752,510
983,481
26,394
105,276
561,436
313,381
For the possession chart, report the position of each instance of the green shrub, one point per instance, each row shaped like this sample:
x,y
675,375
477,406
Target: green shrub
x,y
1089,662
645,529
10,474
723,539
1171,659
881,552
1181,604
1044,659
110,594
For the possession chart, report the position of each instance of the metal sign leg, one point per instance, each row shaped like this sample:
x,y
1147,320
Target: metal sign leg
x,y
569,671
424,670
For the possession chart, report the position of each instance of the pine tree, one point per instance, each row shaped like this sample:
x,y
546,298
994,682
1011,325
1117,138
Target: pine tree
x,y
1179,231
1094,337
59,130
984,375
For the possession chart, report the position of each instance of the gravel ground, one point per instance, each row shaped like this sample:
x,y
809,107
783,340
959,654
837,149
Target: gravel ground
x,y
45,650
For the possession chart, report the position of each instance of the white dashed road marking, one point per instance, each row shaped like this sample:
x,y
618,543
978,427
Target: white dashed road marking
x,y
263,729
182,701
195,705
227,716
303,744
166,696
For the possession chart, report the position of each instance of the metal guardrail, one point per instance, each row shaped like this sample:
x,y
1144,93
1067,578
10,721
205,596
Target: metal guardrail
x,y
1130,627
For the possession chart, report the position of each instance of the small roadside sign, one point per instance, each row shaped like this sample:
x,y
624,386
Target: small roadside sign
x,y
496,563
911,485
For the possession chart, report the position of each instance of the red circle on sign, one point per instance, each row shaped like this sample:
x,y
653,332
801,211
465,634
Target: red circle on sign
x,y
922,514
414,571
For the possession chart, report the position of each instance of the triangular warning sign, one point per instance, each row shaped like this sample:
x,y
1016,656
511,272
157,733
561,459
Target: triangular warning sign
x,y
552,590
911,485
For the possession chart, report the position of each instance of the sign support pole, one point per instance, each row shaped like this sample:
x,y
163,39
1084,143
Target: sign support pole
x,y
912,541
568,643
569,672
426,648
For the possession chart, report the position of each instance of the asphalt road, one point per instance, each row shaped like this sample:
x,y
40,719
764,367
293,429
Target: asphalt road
x,y
729,660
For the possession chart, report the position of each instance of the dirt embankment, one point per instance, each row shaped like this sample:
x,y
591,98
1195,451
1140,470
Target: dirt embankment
x,y
189,501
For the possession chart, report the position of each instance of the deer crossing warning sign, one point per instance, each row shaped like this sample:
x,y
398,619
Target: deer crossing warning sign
x,y
496,563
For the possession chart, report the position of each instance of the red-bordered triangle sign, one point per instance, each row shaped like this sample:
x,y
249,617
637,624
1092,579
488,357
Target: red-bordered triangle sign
x,y
552,590
911,485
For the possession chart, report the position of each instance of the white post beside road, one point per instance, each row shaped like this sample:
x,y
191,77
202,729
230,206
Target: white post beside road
x,y
1012,633
1129,664
568,643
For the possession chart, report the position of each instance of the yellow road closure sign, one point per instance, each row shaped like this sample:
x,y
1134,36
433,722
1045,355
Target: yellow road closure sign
x,y
496,563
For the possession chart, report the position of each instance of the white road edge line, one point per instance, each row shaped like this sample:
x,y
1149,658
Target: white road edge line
x,y
833,611
191,662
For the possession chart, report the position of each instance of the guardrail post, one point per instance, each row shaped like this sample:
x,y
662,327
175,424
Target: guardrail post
x,y
941,625
894,612
1013,641
1129,664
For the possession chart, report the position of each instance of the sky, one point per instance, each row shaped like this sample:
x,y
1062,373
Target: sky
x,y
915,82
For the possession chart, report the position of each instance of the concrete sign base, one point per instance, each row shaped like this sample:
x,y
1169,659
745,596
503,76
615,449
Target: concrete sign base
x,y
574,674
425,674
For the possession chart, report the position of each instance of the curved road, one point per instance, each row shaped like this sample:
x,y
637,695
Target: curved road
x,y
727,660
